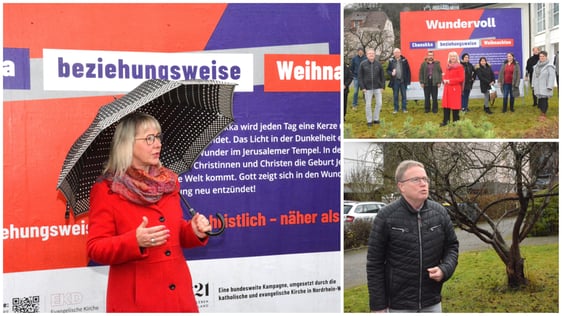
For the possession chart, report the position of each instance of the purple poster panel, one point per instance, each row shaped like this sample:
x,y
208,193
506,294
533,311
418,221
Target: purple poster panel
x,y
489,33
275,172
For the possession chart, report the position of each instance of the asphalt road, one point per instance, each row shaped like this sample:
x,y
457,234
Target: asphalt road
x,y
355,260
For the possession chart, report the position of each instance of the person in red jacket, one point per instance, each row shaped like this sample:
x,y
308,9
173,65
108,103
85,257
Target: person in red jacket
x,y
136,225
453,80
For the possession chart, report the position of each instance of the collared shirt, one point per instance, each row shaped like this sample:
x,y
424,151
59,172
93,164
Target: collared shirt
x,y
430,70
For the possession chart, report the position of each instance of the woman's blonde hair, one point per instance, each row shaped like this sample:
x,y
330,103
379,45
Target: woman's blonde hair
x,y
453,53
121,153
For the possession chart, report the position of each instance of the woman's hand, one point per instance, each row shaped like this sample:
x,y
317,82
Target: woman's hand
x,y
151,236
200,225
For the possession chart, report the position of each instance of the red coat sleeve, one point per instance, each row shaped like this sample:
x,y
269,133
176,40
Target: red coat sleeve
x,y
105,244
188,238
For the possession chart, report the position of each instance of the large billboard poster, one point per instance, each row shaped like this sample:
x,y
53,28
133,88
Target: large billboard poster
x,y
274,173
490,33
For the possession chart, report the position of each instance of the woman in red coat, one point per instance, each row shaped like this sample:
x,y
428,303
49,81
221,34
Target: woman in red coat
x,y
453,83
136,225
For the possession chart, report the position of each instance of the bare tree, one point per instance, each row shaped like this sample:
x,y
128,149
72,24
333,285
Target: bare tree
x,y
360,180
503,176
362,175
381,40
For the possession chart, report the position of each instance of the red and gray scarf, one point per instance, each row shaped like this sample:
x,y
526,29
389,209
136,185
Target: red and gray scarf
x,y
144,188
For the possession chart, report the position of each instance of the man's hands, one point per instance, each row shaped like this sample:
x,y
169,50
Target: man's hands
x,y
435,274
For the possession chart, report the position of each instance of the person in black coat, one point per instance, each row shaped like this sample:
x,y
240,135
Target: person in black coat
x,y
413,248
485,74
531,62
347,80
468,80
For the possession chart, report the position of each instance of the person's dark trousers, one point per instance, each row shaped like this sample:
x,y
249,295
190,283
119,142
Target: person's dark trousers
x,y
446,116
465,95
399,87
430,94
508,92
532,90
455,115
543,104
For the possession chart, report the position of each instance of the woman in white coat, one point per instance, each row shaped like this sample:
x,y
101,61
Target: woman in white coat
x,y
544,76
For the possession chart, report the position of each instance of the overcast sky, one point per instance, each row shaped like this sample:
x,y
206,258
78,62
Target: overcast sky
x,y
354,153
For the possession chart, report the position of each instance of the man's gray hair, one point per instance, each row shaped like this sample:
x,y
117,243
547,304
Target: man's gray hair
x,y
404,166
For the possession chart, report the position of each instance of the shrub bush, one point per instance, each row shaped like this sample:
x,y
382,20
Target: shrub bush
x,y
356,234
547,224
498,210
461,129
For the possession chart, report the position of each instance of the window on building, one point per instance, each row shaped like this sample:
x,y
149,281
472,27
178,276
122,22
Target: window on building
x,y
553,15
540,17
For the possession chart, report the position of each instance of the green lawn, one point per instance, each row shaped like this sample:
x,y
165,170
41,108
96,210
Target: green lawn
x,y
523,123
479,285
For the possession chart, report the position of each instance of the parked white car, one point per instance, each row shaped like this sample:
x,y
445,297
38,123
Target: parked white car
x,y
366,211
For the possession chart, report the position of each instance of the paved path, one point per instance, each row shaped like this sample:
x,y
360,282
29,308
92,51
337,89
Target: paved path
x,y
356,260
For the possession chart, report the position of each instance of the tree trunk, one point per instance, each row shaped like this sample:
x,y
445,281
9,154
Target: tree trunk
x,y
515,270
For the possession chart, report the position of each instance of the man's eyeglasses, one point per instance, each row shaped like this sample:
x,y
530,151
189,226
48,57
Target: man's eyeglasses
x,y
151,138
417,180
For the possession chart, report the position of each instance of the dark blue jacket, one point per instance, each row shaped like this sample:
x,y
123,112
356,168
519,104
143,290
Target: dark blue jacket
x,y
355,63
371,75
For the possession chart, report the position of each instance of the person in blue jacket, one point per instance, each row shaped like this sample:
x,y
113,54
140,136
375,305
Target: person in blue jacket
x,y
355,62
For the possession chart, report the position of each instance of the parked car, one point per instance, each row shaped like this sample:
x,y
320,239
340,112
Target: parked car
x,y
366,211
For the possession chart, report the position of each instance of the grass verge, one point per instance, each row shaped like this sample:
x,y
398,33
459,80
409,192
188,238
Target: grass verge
x,y
523,123
480,285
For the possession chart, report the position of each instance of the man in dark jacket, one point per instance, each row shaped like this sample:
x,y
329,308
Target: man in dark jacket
x,y
400,78
430,77
371,82
413,248
531,62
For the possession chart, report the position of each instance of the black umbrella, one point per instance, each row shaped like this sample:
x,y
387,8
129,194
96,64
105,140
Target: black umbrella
x,y
191,114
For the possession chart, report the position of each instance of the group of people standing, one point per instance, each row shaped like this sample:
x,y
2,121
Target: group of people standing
x,y
457,78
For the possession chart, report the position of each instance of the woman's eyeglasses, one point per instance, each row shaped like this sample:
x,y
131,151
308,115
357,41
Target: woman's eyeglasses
x,y
151,138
